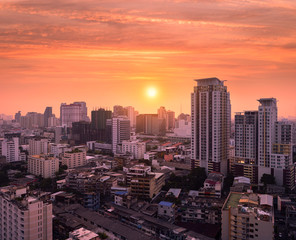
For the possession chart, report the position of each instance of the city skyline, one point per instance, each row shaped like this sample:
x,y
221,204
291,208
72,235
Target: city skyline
x,y
110,53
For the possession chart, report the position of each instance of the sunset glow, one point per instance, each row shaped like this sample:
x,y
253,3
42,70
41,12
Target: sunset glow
x,y
105,52
151,92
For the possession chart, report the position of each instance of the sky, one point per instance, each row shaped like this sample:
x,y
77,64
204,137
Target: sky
x,y
109,52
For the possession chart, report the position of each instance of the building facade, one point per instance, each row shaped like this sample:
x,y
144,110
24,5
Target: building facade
x,y
10,149
23,216
247,216
43,165
74,112
211,114
121,130
74,158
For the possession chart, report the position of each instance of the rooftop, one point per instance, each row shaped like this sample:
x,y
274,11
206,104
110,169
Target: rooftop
x,y
209,81
167,204
258,205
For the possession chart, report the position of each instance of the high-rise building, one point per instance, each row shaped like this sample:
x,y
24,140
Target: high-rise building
x,y
246,146
99,118
121,130
246,136
32,120
17,117
170,120
263,145
284,132
131,114
150,124
247,216
82,132
43,165
74,112
24,216
47,115
211,116
10,149
267,118
38,146
119,111
162,113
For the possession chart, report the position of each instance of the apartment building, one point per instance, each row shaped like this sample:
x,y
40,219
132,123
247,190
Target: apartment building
x,y
43,165
247,216
74,158
24,216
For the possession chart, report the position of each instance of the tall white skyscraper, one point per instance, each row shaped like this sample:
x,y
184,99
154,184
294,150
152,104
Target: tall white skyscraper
x,y
274,148
10,149
74,112
267,119
120,131
211,115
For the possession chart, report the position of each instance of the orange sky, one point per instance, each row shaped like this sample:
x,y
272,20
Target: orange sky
x,y
109,52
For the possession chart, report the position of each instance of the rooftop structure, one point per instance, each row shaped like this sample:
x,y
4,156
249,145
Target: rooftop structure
x,y
247,215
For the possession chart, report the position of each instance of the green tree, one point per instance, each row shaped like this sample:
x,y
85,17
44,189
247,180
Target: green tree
x,y
3,178
267,179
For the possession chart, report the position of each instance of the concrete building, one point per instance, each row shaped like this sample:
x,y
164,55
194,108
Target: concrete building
x,y
47,115
274,157
59,149
32,120
247,216
213,186
267,119
211,113
10,149
166,210
121,130
183,128
246,146
131,114
74,158
170,120
53,121
24,216
144,183
43,165
99,118
136,171
74,112
119,111
83,234
136,148
38,146
150,124
201,210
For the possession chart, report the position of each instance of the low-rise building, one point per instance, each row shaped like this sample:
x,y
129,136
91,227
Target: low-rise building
x,y
201,210
43,165
24,216
74,158
136,148
166,210
247,216
83,234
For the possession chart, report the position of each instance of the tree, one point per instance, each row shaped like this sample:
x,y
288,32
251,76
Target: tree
x,y
228,181
193,181
267,179
3,178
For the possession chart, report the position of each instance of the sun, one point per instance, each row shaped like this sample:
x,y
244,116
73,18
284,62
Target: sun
x,y
151,92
